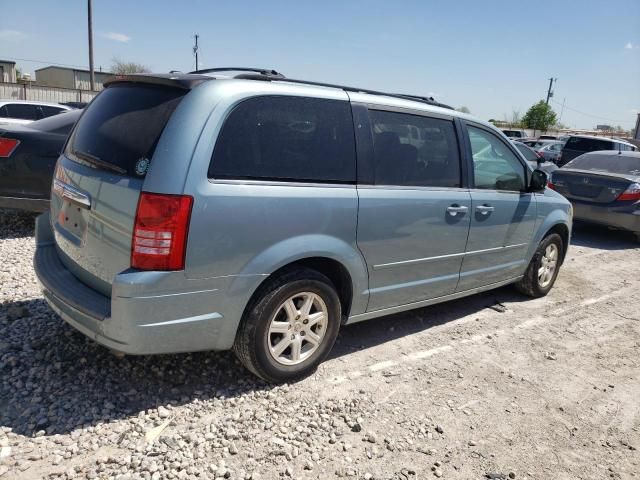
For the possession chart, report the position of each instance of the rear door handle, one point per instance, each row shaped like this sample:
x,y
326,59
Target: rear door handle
x,y
454,209
484,209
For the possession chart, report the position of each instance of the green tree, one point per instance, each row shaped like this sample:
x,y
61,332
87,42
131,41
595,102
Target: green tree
x,y
120,67
539,117
463,109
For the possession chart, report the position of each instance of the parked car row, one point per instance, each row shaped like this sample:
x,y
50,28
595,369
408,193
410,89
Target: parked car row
x,y
563,151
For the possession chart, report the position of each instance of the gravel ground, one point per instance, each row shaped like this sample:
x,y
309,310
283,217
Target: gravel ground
x,y
492,386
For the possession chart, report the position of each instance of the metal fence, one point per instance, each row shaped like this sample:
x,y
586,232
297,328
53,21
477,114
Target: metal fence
x,y
25,91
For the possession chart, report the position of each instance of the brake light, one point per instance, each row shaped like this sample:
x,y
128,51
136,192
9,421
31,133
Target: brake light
x,y
551,185
7,146
631,193
160,232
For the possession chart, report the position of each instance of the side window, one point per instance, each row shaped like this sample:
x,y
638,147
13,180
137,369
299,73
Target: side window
x,y
412,150
495,166
48,111
3,111
23,111
287,138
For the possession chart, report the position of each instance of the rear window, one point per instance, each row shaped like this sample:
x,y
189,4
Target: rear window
x,y
22,111
512,133
624,164
588,144
287,139
48,111
121,127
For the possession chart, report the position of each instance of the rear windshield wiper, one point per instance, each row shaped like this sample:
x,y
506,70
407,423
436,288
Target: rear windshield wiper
x,y
87,157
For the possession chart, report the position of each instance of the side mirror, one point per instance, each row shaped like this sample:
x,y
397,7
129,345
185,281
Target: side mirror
x,y
538,181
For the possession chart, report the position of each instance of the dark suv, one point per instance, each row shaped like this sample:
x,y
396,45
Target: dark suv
x,y
579,144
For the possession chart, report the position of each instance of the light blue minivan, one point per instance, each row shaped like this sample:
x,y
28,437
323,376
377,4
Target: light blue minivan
x,y
234,208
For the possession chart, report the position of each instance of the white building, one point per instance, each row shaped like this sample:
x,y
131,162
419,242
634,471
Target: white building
x,y
8,71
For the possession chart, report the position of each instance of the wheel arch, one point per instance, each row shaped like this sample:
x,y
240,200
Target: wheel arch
x,y
338,260
562,230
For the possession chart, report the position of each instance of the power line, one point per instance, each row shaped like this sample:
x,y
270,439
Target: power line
x,y
45,62
590,115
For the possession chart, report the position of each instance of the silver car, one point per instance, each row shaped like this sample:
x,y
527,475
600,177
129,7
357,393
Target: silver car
x,y
23,112
246,210
550,152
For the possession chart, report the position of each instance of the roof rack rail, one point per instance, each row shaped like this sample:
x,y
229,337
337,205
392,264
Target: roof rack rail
x,y
416,98
268,75
266,72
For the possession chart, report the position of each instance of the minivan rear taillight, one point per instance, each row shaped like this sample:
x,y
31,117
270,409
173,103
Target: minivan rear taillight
x,y
7,146
160,233
631,193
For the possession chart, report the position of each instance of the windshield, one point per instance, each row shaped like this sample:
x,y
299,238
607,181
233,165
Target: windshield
x,y
61,123
614,163
528,154
121,127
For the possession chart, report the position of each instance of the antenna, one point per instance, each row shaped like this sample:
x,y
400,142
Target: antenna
x,y
195,49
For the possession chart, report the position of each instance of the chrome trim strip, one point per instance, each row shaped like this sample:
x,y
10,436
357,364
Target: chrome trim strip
x,y
423,303
414,283
198,318
447,257
72,194
164,295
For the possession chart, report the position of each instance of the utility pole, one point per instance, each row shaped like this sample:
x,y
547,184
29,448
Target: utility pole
x,y
92,79
550,92
195,49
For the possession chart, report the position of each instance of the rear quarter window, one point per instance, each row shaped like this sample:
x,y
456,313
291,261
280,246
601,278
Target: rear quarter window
x,y
122,125
287,139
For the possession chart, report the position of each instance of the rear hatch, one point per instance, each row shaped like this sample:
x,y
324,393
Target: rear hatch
x,y
589,187
100,175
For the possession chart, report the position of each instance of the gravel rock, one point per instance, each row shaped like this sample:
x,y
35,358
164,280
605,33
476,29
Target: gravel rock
x,y
69,409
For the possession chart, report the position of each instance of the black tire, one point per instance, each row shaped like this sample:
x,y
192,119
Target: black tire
x,y
251,344
529,284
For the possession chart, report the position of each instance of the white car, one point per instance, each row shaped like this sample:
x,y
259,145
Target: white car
x,y
21,112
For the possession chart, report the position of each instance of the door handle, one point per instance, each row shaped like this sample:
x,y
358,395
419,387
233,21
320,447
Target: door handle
x,y
454,209
484,209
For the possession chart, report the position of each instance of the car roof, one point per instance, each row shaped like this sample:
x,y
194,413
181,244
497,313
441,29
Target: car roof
x,y
30,102
594,137
612,153
264,80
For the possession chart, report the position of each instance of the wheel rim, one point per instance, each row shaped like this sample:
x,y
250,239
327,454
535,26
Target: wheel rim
x,y
297,328
548,265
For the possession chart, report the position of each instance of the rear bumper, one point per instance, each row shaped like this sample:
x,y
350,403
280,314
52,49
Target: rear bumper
x,y
21,203
625,217
147,313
